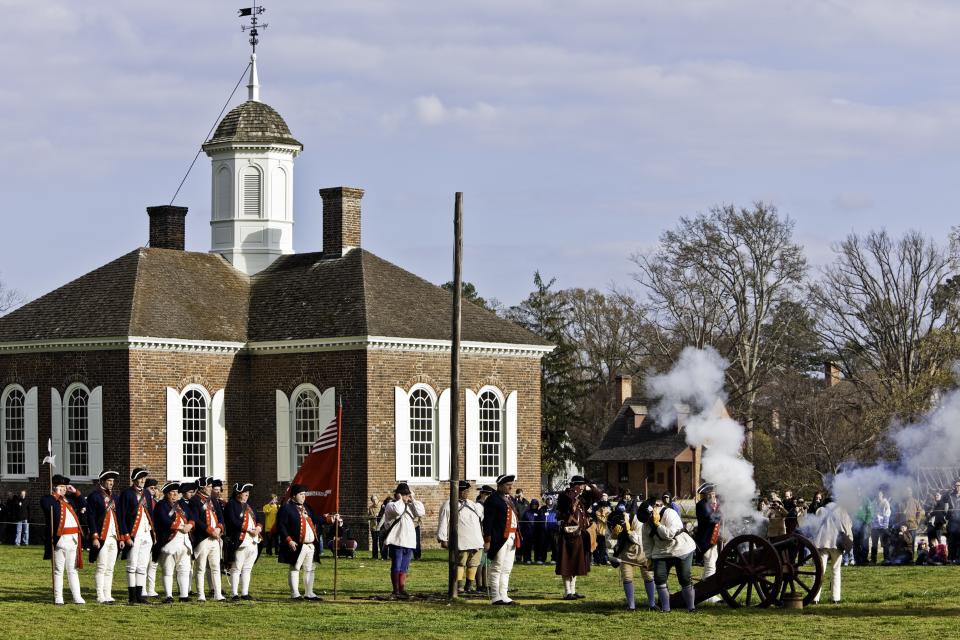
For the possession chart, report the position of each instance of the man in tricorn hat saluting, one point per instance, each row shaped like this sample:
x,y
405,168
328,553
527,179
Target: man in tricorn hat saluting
x,y
501,538
574,552
62,538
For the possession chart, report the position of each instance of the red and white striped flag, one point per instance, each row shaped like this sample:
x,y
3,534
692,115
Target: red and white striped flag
x,y
320,471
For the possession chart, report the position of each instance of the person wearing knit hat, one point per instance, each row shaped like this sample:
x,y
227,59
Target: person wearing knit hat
x,y
298,540
401,536
207,538
243,536
63,547
136,525
469,537
105,536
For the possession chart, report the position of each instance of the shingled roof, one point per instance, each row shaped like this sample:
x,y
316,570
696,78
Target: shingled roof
x,y
624,442
163,293
253,122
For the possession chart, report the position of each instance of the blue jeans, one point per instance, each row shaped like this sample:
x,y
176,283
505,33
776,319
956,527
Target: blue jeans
x,y
23,533
400,557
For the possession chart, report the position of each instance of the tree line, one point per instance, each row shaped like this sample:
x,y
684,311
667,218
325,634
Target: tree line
x,y
883,313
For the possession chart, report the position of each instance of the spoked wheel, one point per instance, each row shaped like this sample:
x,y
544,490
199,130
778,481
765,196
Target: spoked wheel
x,y
804,573
751,572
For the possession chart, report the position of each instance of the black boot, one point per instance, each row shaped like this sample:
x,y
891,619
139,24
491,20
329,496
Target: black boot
x,y
140,597
132,596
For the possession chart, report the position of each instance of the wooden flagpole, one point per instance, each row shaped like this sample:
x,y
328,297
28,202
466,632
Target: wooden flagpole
x,y
50,461
455,395
336,498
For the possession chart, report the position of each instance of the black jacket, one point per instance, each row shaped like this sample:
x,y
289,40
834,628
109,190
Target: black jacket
x,y
496,519
289,529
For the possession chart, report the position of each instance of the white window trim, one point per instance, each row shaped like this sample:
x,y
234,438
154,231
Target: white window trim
x,y
211,454
503,432
241,197
294,467
434,478
65,450
3,434
286,426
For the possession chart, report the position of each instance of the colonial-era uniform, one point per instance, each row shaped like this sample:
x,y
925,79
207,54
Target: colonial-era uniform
x,y
501,531
173,547
136,525
207,547
709,523
401,536
469,537
574,543
105,536
243,540
150,589
62,542
624,537
297,523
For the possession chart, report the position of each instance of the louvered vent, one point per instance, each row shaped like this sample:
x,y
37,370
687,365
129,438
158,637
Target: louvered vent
x,y
251,194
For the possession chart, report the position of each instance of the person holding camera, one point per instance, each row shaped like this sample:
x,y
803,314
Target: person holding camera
x,y
833,536
399,518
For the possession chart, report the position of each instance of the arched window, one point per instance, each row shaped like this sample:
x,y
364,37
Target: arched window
x,y
278,191
224,193
77,431
306,423
491,434
251,192
422,430
196,434
14,433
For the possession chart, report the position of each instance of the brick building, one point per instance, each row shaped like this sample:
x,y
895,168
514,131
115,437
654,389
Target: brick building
x,y
230,362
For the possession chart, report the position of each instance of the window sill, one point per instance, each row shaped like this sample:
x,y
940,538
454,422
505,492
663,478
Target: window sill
x,y
14,478
424,482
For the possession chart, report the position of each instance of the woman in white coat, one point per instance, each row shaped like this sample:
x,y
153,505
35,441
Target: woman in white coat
x,y
834,529
401,535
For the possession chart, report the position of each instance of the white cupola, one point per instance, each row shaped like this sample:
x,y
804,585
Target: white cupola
x,y
251,153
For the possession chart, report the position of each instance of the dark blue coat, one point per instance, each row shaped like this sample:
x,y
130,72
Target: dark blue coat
x,y
164,516
99,502
127,504
197,506
288,528
233,516
496,517
52,514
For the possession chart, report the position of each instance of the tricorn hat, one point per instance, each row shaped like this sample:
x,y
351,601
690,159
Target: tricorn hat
x,y
151,482
204,481
240,487
463,485
706,487
188,486
58,479
487,489
403,489
577,480
297,488
108,475
217,482
505,478
138,472
173,485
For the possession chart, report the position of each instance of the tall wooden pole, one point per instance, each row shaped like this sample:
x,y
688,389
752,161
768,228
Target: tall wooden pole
x,y
455,394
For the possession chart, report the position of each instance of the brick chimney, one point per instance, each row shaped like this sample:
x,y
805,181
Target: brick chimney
x,y
167,227
624,390
831,374
341,220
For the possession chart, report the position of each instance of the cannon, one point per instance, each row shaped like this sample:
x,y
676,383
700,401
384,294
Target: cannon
x,y
756,572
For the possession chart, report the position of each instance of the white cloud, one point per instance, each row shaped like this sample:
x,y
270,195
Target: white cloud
x,y
430,110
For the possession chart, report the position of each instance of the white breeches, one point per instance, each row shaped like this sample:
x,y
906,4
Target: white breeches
x,y
139,558
207,554
175,557
499,570
305,562
831,558
103,576
242,565
65,561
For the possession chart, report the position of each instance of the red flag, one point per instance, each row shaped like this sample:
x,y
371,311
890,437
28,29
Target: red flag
x,y
320,471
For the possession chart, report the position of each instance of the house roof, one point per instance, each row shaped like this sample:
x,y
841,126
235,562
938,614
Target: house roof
x,y
623,442
164,293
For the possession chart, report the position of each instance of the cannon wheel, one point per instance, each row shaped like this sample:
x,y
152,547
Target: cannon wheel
x,y
803,573
751,567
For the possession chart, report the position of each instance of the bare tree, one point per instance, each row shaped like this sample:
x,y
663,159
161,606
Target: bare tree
x,y
717,279
885,310
10,299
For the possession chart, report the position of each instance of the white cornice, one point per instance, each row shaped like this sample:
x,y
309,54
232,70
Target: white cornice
x,y
350,343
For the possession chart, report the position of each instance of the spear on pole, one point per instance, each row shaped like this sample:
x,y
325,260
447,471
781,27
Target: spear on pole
x,y
51,460
336,498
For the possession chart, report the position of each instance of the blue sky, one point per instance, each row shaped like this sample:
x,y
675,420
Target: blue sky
x,y
577,130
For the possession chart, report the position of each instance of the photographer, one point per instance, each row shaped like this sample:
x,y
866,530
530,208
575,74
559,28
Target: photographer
x,y
671,546
776,514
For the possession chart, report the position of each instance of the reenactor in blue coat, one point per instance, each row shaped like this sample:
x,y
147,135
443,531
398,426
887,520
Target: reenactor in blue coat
x,y
173,548
136,525
154,495
106,540
297,527
62,538
243,540
501,538
207,537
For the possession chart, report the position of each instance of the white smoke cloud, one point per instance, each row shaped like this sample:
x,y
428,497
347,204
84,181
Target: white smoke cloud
x,y
696,380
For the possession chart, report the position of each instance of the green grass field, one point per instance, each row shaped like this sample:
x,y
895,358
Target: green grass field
x,y
879,602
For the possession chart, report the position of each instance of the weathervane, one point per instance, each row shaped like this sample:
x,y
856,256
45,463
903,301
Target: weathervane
x,y
254,26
